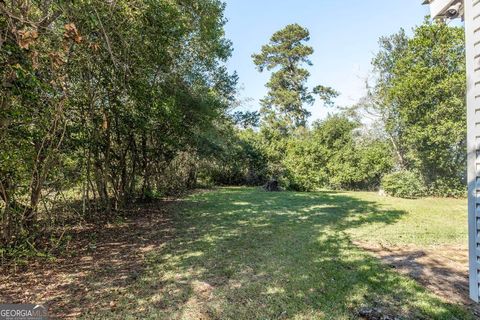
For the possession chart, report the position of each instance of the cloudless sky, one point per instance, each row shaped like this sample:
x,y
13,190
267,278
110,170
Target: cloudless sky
x,y
344,34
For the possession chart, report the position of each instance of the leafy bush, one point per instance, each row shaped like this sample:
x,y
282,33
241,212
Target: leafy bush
x,y
444,187
403,184
305,163
335,155
238,160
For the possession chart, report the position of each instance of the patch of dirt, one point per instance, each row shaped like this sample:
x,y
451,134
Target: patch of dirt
x,y
374,314
441,269
106,261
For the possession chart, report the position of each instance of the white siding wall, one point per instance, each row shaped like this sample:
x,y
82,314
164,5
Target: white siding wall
x,y
472,33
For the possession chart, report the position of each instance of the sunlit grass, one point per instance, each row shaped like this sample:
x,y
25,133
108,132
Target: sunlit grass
x,y
425,222
241,253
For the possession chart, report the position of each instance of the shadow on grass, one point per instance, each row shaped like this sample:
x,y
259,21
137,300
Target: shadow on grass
x,y
442,270
247,254
238,253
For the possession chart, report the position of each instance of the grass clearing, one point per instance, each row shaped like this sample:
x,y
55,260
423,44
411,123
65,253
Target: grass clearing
x,y
240,253
423,222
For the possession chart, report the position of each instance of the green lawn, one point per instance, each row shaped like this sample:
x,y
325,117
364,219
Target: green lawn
x,y
241,253
422,222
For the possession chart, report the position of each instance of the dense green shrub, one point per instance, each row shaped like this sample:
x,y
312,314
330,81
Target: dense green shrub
x,y
403,184
335,155
454,188
305,162
238,160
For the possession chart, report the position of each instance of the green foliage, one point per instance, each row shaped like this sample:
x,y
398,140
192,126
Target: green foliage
x,y
283,107
453,188
116,97
335,155
421,99
132,99
403,184
305,163
247,119
240,160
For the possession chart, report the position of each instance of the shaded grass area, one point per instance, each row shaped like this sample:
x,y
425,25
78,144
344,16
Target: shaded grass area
x,y
101,263
428,243
240,253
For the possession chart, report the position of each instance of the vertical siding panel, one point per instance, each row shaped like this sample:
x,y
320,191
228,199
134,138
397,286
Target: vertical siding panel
x,y
472,35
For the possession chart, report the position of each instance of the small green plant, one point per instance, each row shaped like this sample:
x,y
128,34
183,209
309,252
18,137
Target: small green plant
x,y
403,184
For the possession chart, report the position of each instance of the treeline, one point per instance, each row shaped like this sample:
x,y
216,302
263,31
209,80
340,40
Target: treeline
x,y
116,100
334,154
406,136
108,102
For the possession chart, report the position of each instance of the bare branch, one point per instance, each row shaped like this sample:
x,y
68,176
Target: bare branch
x,y
107,40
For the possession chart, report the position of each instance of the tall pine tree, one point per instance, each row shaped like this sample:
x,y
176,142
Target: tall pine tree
x,y
284,106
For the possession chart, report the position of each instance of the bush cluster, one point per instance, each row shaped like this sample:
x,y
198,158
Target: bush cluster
x,y
403,184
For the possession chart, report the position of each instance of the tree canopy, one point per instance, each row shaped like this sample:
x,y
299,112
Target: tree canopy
x,y
107,103
287,53
107,96
420,95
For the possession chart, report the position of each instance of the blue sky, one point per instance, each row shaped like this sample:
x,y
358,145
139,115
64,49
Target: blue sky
x,y
344,34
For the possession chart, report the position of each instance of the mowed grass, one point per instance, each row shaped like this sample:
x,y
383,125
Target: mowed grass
x,y
422,222
241,253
